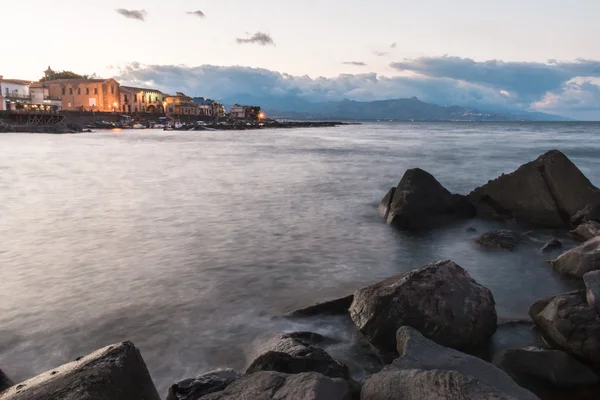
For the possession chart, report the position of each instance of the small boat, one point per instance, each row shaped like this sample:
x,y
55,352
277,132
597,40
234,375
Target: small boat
x,y
138,126
158,126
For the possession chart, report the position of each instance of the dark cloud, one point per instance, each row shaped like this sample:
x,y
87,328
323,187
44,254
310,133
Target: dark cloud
x,y
140,15
356,63
197,13
259,38
393,45
380,53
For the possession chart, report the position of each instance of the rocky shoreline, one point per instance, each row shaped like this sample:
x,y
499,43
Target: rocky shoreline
x,y
423,330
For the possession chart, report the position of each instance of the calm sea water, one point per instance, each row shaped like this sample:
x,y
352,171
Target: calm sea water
x,y
189,243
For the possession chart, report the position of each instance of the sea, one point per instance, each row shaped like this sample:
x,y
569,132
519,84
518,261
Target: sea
x,y
192,244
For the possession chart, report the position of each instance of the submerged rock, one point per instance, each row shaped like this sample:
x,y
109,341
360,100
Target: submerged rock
x,y
420,201
570,323
116,372
546,192
580,260
550,245
592,289
502,239
210,382
338,306
439,299
5,381
269,385
586,231
294,353
426,370
554,367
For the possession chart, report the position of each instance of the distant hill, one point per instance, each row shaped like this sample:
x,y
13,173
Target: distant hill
x,y
395,109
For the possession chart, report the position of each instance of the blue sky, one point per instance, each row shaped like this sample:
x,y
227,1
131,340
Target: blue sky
x,y
528,54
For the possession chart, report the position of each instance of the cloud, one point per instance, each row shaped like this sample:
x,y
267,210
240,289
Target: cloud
x,y
565,88
393,45
196,13
356,63
259,38
140,15
380,53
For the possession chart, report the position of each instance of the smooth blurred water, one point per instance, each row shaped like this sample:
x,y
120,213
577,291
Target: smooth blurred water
x,y
188,243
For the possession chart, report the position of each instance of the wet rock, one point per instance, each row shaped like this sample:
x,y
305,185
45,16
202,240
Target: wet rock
x,y
545,192
471,229
592,289
211,382
550,245
529,365
439,299
5,381
586,231
586,214
420,201
338,306
571,324
426,370
502,239
580,260
270,385
116,372
294,353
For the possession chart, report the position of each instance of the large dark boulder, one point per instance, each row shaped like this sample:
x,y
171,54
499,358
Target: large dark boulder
x,y
294,353
546,192
579,260
116,372
210,382
592,289
586,231
420,201
571,324
531,365
269,385
426,370
5,381
501,240
441,300
338,306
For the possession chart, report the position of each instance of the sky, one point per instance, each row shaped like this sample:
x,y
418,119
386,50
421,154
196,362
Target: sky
x,y
531,55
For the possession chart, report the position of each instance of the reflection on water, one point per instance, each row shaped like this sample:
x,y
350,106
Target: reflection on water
x,y
189,243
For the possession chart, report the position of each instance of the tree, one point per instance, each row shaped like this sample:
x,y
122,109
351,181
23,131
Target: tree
x,y
51,75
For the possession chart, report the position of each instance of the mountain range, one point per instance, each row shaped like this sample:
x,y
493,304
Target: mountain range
x,y
411,109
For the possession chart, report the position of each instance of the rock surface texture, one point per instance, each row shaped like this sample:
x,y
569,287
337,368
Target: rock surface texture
x,y
571,324
278,386
211,382
502,240
426,370
546,192
441,300
580,260
5,381
587,230
592,289
420,201
116,372
552,366
550,245
294,353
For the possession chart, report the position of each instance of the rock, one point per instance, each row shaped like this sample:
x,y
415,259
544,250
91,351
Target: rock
x,y
503,239
426,370
545,192
269,385
440,299
570,323
420,201
338,306
555,367
293,353
116,372
193,389
592,286
580,260
586,214
550,245
5,381
471,229
586,231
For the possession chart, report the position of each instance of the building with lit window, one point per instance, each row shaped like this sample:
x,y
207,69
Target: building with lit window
x,y
85,94
134,99
180,104
14,93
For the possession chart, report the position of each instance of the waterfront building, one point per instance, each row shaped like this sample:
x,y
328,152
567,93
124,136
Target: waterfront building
x,y
40,98
14,93
86,94
180,104
238,112
134,99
